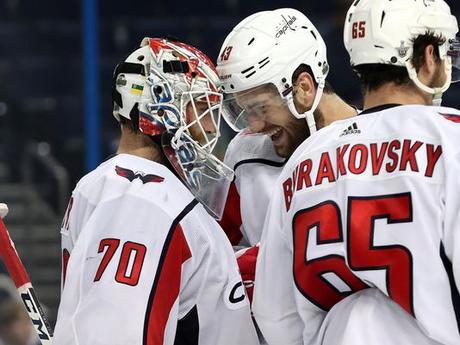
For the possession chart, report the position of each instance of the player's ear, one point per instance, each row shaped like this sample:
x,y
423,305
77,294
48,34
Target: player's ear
x,y
429,67
304,92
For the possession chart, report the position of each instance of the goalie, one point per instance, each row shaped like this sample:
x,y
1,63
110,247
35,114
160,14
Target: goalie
x,y
144,262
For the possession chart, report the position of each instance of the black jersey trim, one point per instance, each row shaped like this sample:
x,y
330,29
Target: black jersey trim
x,y
164,251
260,161
453,288
379,108
188,328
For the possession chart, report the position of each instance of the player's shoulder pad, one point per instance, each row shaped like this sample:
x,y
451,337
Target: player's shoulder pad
x,y
246,146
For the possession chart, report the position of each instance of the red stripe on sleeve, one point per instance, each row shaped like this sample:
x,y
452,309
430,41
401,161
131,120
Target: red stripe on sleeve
x,y
168,286
231,219
65,261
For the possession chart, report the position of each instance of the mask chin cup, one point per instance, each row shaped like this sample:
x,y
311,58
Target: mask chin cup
x,y
207,178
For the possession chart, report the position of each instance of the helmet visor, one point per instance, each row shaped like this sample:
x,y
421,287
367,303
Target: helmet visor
x,y
247,109
205,176
454,54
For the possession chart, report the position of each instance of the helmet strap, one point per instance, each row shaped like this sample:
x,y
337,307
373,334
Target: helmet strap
x,y
437,92
309,114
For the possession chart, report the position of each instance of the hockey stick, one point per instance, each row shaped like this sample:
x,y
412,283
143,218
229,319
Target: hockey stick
x,y
22,281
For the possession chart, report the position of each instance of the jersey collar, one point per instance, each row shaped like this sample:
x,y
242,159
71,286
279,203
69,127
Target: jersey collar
x,y
379,108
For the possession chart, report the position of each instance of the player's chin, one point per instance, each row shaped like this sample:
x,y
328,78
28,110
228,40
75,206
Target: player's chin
x,y
287,142
286,150
283,150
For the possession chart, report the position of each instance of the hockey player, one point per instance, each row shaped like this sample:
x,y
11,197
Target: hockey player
x,y
373,201
268,95
273,67
144,262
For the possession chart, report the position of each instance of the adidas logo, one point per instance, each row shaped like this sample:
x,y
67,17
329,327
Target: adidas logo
x,y
353,129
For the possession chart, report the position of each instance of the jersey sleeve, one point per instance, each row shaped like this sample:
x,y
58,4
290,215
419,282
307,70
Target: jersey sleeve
x,y
231,219
212,289
77,212
370,317
274,304
450,249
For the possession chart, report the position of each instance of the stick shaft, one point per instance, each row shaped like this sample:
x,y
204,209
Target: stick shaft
x,y
21,279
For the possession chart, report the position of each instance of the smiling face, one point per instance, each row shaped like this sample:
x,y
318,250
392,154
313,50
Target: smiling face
x,y
268,114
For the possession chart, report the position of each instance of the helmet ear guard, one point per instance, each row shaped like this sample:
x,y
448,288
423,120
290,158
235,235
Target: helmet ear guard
x,y
124,67
128,82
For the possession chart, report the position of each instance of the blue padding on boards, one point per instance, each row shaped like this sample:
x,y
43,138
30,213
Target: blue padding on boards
x,y
91,83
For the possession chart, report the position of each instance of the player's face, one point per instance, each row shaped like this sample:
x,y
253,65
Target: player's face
x,y
206,121
269,115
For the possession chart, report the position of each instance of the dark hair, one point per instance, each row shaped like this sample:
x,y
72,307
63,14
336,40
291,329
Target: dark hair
x,y
133,123
305,68
129,125
373,76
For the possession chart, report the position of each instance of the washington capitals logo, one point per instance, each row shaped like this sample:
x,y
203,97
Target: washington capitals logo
x,y
131,175
285,25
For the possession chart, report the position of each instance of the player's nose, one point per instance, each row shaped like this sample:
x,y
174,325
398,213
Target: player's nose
x,y
256,123
208,125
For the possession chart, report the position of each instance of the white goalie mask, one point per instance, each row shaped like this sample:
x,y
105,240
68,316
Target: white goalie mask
x,y
383,32
170,89
266,48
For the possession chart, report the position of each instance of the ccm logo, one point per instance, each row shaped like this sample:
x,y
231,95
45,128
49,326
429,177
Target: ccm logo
x,y
358,30
32,309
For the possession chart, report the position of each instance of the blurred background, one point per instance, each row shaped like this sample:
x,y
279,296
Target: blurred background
x,y
56,62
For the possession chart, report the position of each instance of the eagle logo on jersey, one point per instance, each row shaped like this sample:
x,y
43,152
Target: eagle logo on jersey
x,y
131,175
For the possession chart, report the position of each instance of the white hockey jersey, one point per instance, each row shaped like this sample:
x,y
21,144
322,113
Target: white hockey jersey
x,y
256,166
146,264
372,201
368,317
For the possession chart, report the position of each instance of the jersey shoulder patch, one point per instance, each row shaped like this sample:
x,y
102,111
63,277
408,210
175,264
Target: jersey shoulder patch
x,y
131,175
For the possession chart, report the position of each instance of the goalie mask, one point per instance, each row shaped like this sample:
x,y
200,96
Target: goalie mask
x,y
170,90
